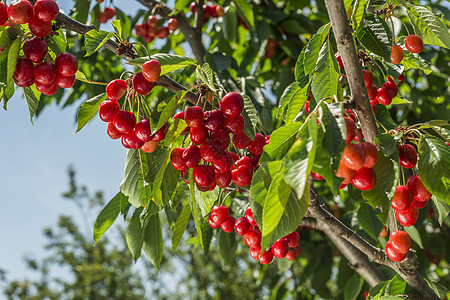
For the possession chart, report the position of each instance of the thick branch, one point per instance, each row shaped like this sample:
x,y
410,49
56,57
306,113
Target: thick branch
x,y
344,39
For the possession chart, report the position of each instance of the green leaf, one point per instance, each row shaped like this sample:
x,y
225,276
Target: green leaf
x,y
32,96
441,208
169,62
399,100
61,41
180,227
182,4
434,166
205,200
395,286
133,184
88,110
205,75
335,130
353,287
359,13
153,240
94,39
430,27
387,174
440,290
296,103
326,74
415,235
156,174
281,140
245,10
313,48
170,109
289,93
369,222
300,74
250,117
13,54
411,61
227,248
375,37
193,204
133,235
107,216
124,23
117,28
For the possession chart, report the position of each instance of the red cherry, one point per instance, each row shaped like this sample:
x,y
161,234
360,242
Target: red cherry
x,y
364,179
203,175
163,33
219,214
228,225
418,190
223,164
400,241
222,179
401,78
351,127
256,146
143,130
402,198
25,83
35,49
177,160
346,173
383,96
45,73
141,29
44,88
408,217
153,21
368,77
292,239
172,25
198,134
194,116
108,110
255,252
24,70
372,93
223,139
391,88
420,205
161,133
112,131
210,152
307,105
141,85
52,90
266,257
191,156
66,64
149,146
280,248
102,17
65,82
214,120
353,156
3,13
396,54
151,34
414,43
249,216
46,10
339,60
253,238
359,134
20,12
232,105
124,121
234,125
220,11
110,12
244,161
212,224
242,226
351,114
316,176
206,13
39,28
151,70
130,140
297,250
179,115
393,254
242,176
408,156
370,154
116,89
290,254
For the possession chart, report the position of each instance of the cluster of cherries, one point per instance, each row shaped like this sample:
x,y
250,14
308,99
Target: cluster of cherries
x,y
210,136
398,245
121,123
151,29
39,18
209,11
287,246
106,15
413,43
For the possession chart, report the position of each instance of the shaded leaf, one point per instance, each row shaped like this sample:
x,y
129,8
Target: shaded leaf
x,y
245,10
153,240
88,110
326,74
133,235
180,227
250,117
107,216
369,222
353,287
32,97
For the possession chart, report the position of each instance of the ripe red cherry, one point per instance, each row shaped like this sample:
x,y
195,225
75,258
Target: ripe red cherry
x,y
228,225
372,93
52,90
351,127
153,21
161,133
383,96
219,214
39,28
219,11
35,49
210,152
253,238
151,70
222,179
393,254
20,12
223,164
163,33
194,116
351,114
116,89
232,105
242,226
108,110
408,156
193,6
176,159
244,160
418,190
149,146
102,17
353,156
25,83
213,120
249,216
110,12
396,54
408,217
316,176
401,78
130,140
364,179
45,73
368,77
391,88
400,241
234,125
255,252
292,239
112,131
179,115
143,130
141,29
65,82
290,254
222,137
402,198
203,175
141,85
339,60
124,121
242,176
241,141
266,257
24,70
346,173
66,64
256,146
212,224
172,24
191,156
370,154
414,43
280,248
46,10
420,205
3,13
198,134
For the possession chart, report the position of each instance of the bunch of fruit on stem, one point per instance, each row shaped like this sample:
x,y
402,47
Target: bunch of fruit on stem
x,y
209,11
152,29
106,15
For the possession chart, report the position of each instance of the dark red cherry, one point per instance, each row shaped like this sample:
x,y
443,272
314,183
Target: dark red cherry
x,y
266,257
293,239
194,116
402,198
110,12
418,190
24,70
351,127
39,28
210,152
223,164
124,121
242,226
176,159
24,83
116,89
234,125
219,214
290,254
244,160
242,176
384,96
400,241
256,146
20,12
108,110
3,13
408,156
163,33
408,217
191,156
143,130
35,49
141,85
141,29
66,64
223,139
228,225
45,72
420,205
172,24
255,252
393,254
241,140
65,82
130,140
372,93
339,60
206,188
232,105
161,133
401,78
203,175
391,88
112,131
52,90
280,248
213,120
198,134
46,10
212,224
364,179
179,115
222,179
44,88
253,238
249,216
